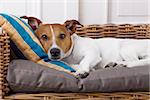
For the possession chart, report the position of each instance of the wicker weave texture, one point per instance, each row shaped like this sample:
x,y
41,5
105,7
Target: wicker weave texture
x,y
93,31
83,96
4,62
118,31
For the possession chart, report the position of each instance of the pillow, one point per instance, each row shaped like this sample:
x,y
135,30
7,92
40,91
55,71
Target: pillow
x,y
28,77
23,39
24,76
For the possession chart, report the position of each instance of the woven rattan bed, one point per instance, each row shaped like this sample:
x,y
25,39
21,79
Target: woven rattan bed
x,y
94,31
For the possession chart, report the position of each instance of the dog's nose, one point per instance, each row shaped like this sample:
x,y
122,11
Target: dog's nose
x,y
55,52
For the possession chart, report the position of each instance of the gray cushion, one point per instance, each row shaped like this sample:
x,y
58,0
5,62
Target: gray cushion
x,y
117,79
26,76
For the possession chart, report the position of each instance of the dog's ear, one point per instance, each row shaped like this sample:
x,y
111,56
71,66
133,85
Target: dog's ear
x,y
71,25
33,22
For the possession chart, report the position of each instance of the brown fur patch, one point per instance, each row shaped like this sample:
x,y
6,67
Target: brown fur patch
x,y
64,44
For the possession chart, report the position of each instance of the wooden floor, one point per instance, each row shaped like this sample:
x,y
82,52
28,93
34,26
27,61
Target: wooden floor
x,y
82,96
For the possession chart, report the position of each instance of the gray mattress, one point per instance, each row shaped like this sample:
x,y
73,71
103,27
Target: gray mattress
x,y
28,77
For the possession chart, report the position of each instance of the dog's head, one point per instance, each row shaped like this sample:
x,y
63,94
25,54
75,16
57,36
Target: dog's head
x,y
55,38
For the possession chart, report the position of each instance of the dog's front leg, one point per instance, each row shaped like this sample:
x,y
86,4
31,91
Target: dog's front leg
x,y
87,63
75,66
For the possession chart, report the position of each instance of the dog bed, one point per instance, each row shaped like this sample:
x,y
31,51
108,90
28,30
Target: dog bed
x,y
24,76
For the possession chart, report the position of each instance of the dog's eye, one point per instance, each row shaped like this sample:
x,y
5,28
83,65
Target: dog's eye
x,y
62,36
44,37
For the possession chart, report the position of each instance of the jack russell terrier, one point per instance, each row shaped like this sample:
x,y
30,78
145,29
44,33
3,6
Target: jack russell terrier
x,y
83,54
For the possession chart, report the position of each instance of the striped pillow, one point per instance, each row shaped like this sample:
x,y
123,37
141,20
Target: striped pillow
x,y
23,38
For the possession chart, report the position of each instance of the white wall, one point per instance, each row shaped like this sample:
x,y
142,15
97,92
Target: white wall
x,y
129,11
93,11
53,11
21,7
58,11
17,7
86,11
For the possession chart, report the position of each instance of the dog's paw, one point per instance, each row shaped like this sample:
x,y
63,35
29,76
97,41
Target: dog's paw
x,y
81,74
121,65
114,64
111,64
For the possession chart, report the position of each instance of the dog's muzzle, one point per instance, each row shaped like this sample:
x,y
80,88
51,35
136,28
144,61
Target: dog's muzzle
x,y
55,53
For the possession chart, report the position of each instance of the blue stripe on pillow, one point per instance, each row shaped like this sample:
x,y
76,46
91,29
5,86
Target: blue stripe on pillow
x,y
33,45
59,63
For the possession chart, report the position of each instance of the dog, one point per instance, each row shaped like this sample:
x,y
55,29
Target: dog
x,y
84,54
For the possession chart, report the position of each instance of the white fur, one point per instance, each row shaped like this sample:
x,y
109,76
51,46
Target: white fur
x,y
87,53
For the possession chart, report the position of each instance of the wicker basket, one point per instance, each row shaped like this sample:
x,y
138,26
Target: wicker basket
x,y
93,31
